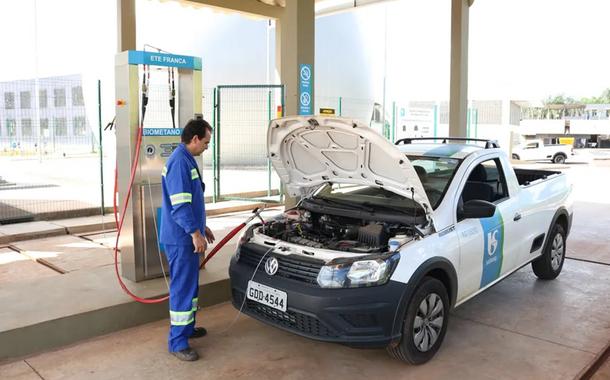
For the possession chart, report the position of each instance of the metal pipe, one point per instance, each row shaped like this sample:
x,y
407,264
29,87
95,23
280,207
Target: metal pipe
x,y
268,159
99,119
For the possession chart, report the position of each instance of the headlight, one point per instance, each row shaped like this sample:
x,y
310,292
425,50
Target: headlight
x,y
370,272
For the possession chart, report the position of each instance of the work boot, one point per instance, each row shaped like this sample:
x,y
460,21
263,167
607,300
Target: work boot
x,y
198,332
186,355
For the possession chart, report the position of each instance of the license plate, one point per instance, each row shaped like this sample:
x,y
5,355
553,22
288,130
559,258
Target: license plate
x,y
266,295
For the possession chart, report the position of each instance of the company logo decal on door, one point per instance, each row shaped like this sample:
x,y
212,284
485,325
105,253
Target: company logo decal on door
x,y
493,247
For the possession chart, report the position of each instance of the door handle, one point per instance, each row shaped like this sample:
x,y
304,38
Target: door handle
x,y
517,217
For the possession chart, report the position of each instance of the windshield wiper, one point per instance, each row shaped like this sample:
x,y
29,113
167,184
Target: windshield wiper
x,y
352,205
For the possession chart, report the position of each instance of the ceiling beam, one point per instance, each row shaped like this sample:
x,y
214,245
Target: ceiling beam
x,y
250,7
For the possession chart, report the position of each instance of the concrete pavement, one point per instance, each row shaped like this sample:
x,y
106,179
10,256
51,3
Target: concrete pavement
x,y
521,329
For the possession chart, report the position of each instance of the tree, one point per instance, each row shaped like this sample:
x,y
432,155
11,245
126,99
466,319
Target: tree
x,y
604,98
559,99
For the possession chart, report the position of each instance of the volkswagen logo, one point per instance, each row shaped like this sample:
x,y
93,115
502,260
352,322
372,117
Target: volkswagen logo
x,y
271,266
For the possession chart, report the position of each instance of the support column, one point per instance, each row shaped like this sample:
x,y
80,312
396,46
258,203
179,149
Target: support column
x,y
126,25
295,38
458,94
294,45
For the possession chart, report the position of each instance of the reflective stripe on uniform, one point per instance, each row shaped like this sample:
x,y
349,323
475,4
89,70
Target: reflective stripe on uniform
x,y
181,198
181,318
194,174
195,304
164,171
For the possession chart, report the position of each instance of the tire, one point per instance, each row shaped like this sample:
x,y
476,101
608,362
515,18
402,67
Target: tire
x,y
516,157
430,291
559,159
549,265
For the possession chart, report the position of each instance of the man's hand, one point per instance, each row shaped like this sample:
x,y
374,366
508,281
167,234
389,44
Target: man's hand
x,y
209,235
199,242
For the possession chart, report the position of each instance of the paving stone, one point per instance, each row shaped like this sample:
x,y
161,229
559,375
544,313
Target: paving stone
x,y
67,252
15,267
18,371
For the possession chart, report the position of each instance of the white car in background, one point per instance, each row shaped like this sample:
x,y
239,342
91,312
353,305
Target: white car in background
x,y
387,239
536,150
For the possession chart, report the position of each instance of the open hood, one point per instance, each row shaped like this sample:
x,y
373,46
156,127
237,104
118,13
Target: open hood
x,y
307,151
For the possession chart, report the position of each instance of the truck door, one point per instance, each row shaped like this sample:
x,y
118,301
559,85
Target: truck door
x,y
532,151
488,246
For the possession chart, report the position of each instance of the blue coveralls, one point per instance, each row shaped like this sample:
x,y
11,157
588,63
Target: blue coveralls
x,y
183,212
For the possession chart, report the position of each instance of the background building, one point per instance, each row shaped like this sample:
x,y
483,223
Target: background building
x,y
47,113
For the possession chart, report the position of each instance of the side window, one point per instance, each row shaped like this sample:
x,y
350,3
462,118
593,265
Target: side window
x,y
496,178
485,182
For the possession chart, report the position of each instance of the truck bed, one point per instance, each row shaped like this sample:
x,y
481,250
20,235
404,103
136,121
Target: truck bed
x,y
526,177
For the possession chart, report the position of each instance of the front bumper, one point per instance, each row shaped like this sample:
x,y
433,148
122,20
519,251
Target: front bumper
x,y
357,317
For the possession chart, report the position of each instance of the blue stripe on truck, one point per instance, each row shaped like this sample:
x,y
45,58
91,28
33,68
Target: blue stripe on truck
x,y
493,247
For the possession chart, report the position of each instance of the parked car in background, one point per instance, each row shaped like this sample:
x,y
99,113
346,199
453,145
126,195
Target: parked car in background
x,y
536,150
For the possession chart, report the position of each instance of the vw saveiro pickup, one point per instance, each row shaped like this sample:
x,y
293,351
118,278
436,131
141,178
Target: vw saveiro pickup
x,y
388,238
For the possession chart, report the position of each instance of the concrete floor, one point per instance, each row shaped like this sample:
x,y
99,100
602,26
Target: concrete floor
x,y
522,328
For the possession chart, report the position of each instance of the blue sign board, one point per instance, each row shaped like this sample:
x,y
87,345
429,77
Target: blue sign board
x,y
159,59
305,87
162,132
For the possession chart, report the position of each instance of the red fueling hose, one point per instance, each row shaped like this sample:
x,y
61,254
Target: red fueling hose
x,y
120,227
234,231
222,243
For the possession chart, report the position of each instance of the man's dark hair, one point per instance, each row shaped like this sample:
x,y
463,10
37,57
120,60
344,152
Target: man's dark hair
x,y
195,127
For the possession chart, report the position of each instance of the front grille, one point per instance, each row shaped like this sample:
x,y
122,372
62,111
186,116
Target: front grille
x,y
289,319
293,267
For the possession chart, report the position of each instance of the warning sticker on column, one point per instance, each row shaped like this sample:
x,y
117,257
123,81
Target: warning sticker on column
x,y
305,86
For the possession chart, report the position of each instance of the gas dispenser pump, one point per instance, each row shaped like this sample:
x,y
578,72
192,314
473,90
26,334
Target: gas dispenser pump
x,y
138,242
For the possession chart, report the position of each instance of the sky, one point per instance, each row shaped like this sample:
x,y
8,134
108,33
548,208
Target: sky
x,y
519,49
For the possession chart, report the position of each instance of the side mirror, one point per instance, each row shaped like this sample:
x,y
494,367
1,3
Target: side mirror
x,y
476,209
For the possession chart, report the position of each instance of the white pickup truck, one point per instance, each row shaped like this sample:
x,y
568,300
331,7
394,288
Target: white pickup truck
x,y
535,150
387,239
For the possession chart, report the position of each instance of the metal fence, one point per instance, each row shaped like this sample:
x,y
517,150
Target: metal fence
x,y
47,149
356,108
55,160
240,163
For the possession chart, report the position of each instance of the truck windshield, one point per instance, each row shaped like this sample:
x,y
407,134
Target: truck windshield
x,y
435,174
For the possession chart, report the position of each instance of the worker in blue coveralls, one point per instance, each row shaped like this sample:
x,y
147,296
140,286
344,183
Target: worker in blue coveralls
x,y
185,235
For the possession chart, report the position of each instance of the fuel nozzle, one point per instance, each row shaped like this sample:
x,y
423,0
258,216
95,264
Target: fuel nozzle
x,y
257,213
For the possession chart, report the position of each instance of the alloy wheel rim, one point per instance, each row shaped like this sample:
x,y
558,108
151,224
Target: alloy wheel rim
x,y
557,250
428,322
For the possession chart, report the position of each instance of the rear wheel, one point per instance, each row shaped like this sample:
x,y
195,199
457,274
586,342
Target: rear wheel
x,y
549,265
425,323
559,159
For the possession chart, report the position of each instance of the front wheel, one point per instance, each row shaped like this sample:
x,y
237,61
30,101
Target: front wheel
x,y
425,323
549,265
559,159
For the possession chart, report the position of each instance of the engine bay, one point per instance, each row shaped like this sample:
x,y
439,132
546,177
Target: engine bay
x,y
333,232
